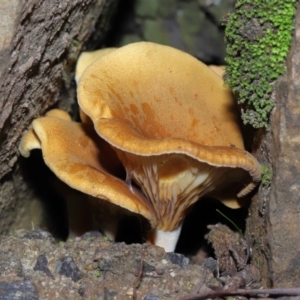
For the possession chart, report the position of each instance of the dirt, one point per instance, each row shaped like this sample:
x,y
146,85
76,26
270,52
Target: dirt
x,y
91,267
33,265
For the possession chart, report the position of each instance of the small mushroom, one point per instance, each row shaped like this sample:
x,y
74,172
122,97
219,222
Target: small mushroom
x,y
174,126
84,161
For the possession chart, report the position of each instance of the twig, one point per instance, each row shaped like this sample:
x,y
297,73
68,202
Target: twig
x,y
254,293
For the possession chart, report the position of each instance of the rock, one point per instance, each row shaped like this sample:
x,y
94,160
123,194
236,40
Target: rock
x,y
283,212
39,234
67,267
94,268
273,227
11,266
150,297
212,265
9,11
229,247
178,259
41,265
18,290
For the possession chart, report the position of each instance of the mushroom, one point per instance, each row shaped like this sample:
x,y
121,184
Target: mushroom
x,y
84,161
171,122
86,58
175,128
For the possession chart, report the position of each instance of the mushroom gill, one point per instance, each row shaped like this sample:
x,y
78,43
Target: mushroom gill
x,y
174,126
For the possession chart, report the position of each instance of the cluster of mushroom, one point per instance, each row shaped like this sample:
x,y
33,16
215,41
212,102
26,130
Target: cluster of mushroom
x,y
166,118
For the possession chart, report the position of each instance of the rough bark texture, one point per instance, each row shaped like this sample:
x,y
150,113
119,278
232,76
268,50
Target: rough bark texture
x,y
47,41
273,226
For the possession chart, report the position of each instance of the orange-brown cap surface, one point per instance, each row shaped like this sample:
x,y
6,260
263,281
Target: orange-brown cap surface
x,y
80,158
86,58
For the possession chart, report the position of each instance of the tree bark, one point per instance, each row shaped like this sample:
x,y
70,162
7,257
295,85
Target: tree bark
x,y
48,38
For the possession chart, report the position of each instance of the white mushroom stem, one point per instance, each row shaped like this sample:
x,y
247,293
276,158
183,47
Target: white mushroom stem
x,y
166,239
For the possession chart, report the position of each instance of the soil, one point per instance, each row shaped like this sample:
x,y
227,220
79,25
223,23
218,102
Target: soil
x,y
35,266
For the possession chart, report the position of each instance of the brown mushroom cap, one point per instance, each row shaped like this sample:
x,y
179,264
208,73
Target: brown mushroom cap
x,y
181,96
80,158
172,123
31,141
86,58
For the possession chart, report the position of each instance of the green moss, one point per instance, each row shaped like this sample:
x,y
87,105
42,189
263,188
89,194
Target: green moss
x,y
266,174
97,273
258,35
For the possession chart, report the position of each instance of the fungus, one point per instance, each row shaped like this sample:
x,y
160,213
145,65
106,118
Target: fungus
x,y
86,58
170,121
175,128
84,161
